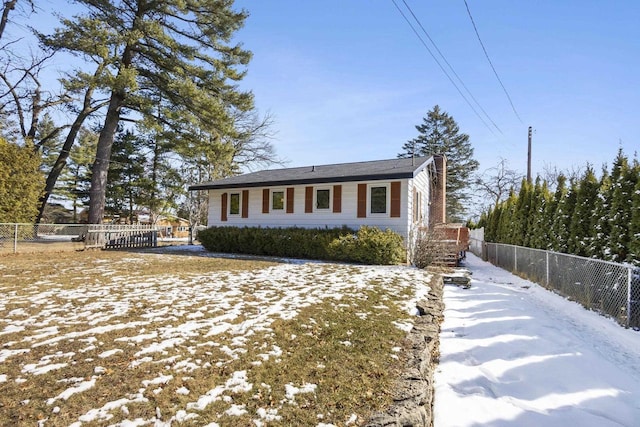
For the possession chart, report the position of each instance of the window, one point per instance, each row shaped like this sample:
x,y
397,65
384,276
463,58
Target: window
x,y
234,204
378,200
277,200
322,199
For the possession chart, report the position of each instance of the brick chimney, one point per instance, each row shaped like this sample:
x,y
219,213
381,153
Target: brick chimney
x,y
438,209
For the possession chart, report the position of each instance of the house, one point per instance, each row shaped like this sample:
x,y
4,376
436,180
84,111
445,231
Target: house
x,y
172,227
399,194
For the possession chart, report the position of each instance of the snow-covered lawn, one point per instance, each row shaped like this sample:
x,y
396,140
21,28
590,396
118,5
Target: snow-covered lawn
x,y
119,339
514,355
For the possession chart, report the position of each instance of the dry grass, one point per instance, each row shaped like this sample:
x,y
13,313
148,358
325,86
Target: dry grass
x,y
105,338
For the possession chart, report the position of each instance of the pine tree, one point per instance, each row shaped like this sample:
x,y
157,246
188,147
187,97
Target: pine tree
x,y
583,219
126,176
439,134
21,182
167,59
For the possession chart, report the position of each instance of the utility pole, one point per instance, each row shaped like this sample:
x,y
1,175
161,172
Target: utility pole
x,y
529,158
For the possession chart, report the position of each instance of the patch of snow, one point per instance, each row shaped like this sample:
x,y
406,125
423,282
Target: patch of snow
x,y
83,386
109,353
514,354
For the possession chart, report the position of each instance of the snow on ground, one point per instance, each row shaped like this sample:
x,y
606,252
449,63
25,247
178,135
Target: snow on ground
x,y
173,315
515,354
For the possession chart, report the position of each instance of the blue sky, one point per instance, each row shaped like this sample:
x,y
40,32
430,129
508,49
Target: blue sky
x,y
349,80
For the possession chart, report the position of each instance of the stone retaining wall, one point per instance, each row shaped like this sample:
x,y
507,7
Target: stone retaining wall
x,y
413,397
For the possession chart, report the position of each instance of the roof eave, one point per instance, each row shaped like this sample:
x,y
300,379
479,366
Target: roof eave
x,y
303,181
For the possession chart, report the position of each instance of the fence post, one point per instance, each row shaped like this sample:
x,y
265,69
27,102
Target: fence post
x,y
15,240
547,267
515,258
629,282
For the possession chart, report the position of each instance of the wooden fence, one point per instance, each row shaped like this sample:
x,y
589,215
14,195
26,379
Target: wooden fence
x,y
109,236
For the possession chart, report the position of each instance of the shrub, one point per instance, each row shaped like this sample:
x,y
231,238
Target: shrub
x,y
428,247
369,245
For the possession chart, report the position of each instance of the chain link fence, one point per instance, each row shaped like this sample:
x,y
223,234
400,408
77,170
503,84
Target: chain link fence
x,y
609,288
16,238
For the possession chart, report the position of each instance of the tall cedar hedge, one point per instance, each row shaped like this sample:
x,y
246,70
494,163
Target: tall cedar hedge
x,y
591,217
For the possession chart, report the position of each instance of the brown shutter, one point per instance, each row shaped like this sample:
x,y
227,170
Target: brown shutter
x,y
362,200
395,199
290,191
265,200
245,203
308,199
337,198
223,207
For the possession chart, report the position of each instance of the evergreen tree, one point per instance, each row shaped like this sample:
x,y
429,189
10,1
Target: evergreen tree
x,y
538,223
75,178
601,226
169,59
583,219
623,181
562,217
126,176
634,227
521,218
506,223
21,182
439,134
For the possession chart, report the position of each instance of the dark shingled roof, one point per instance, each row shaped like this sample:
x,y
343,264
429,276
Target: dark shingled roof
x,y
343,172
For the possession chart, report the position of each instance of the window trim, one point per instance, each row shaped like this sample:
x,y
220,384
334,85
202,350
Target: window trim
x,y
329,200
239,194
387,207
284,200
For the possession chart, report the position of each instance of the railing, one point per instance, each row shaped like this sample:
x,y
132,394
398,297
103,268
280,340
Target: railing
x,y
16,238
609,288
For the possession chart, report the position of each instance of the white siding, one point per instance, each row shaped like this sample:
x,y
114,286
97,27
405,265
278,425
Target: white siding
x,y
323,218
422,184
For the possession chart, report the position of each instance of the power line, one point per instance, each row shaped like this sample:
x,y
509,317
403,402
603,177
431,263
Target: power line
x,y
450,66
486,54
441,67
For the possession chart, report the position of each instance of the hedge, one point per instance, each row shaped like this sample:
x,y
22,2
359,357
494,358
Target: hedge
x,y
368,245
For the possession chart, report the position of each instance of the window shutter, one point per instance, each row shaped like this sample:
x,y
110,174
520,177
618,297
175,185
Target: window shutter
x,y
395,199
265,200
245,203
223,207
308,199
362,200
290,191
337,198
415,204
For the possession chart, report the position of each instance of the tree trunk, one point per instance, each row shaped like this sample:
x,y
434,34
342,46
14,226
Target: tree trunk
x,y
97,192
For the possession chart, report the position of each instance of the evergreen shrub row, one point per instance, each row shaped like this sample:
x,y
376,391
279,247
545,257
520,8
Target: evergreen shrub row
x,y
585,216
368,245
